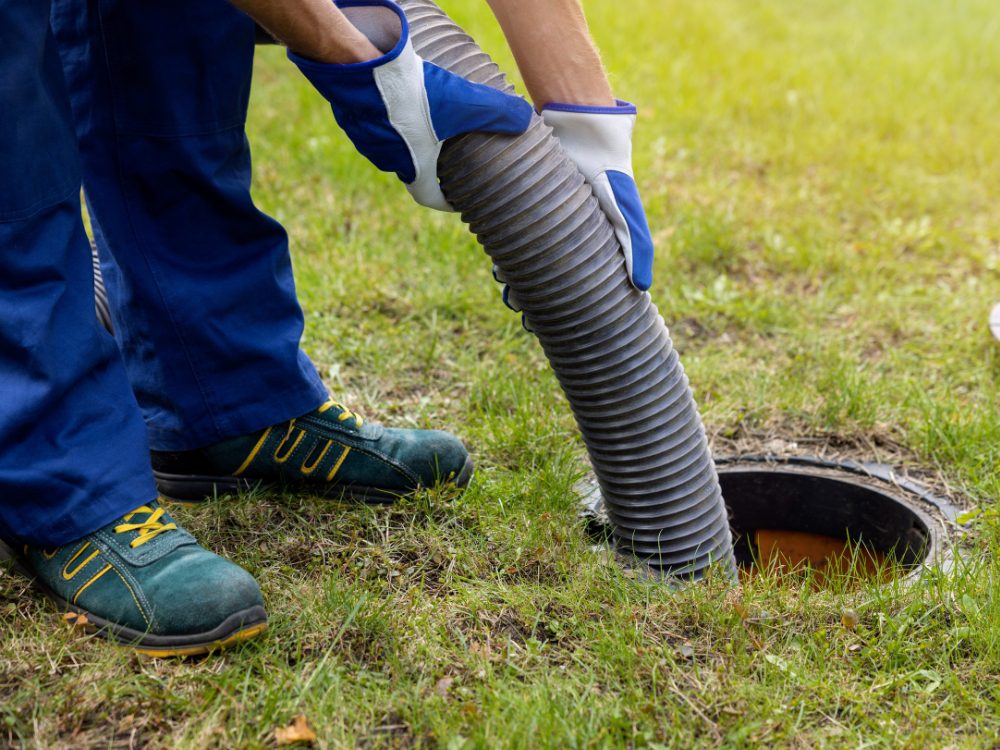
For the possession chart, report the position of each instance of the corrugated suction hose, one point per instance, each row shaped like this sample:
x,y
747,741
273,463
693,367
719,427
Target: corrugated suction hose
x,y
100,292
530,208
533,213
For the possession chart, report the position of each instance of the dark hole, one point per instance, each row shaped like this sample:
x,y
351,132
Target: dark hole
x,y
804,518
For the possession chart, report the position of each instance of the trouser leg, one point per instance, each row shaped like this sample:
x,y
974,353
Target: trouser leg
x,y
73,452
200,281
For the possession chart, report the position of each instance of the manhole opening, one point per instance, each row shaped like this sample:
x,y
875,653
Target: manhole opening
x,y
797,520
805,512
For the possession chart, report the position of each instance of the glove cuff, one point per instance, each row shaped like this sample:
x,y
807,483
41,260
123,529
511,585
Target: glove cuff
x,y
621,107
332,72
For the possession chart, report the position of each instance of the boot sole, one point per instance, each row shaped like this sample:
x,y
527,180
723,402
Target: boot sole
x,y
193,489
236,628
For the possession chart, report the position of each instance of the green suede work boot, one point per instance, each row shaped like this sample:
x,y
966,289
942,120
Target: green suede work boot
x,y
330,451
143,581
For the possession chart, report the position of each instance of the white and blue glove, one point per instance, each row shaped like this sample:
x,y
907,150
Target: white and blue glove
x,y
399,109
599,141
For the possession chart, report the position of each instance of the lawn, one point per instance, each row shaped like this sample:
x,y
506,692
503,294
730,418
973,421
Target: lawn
x,y
823,182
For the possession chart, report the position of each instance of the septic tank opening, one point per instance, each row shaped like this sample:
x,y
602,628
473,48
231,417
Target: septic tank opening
x,y
794,519
804,514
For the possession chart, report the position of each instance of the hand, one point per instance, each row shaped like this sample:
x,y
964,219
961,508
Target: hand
x,y
599,140
399,109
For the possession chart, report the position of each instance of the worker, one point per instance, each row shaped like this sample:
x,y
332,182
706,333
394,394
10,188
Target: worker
x,y
204,388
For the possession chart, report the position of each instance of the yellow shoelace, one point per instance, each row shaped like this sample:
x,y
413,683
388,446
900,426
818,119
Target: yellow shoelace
x,y
345,413
148,528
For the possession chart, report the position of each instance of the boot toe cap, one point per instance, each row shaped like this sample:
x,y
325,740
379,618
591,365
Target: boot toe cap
x,y
201,594
434,456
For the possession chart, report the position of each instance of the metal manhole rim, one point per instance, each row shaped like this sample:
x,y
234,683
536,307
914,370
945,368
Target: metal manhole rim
x,y
884,473
938,513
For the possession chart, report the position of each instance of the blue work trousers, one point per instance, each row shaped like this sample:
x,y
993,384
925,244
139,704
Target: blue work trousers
x,y
147,100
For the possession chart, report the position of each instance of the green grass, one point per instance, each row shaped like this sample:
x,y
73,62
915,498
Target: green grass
x,y
822,180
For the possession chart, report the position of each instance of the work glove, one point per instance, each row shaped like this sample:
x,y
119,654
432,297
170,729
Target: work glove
x,y
599,141
399,109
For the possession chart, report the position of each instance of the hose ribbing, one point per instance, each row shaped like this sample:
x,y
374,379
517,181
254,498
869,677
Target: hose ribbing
x,y
100,292
535,216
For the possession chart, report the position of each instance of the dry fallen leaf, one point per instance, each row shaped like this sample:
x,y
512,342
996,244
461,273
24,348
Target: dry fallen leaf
x,y
298,731
77,620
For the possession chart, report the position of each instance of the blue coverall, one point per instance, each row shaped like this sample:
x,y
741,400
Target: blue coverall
x,y
145,102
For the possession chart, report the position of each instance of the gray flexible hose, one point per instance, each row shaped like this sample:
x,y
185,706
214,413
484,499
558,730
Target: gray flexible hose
x,y
530,209
100,292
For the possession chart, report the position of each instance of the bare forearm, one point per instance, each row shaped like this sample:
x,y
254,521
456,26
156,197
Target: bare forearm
x,y
554,51
312,28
